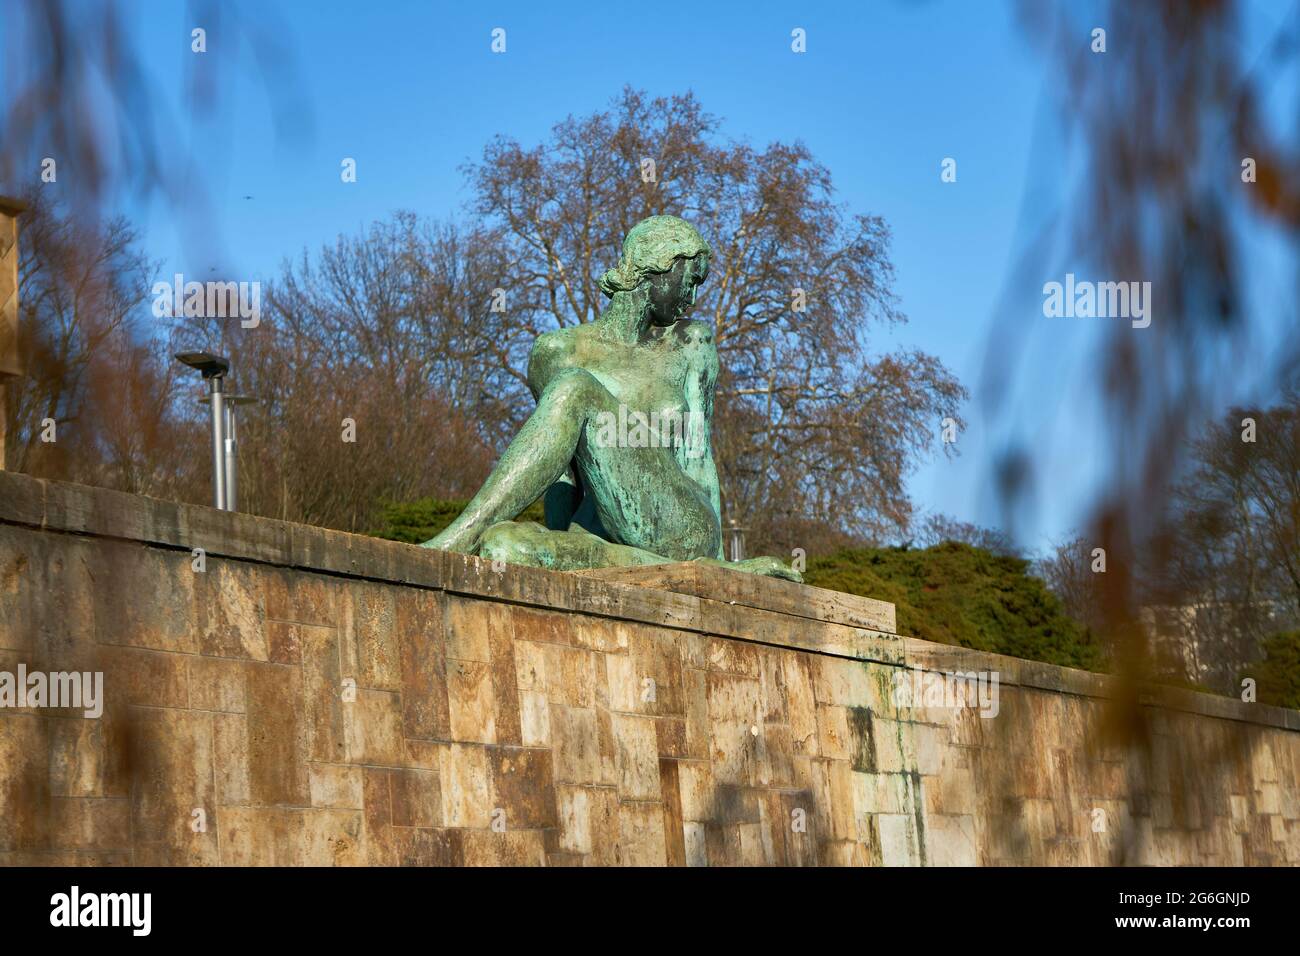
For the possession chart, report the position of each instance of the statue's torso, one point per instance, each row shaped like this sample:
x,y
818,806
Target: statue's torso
x,y
671,371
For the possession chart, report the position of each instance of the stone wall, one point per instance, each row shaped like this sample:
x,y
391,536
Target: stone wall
x,y
311,697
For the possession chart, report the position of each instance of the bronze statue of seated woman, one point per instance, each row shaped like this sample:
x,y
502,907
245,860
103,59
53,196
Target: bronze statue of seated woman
x,y
620,441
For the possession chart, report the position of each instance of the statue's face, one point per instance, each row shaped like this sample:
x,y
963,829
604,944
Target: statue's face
x,y
672,293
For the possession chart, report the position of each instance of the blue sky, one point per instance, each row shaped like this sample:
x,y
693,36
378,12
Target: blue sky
x,y
884,93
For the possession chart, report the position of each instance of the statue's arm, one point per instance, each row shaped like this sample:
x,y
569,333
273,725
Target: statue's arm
x,y
561,500
701,383
700,390
710,482
705,474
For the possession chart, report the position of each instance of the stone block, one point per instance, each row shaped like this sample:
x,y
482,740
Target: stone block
x,y
576,744
522,781
372,727
145,678
471,700
331,838
370,626
294,597
323,692
465,777
336,786
426,708
214,683
145,597
230,747
641,839
637,756
231,606
510,848
416,798
277,739
174,759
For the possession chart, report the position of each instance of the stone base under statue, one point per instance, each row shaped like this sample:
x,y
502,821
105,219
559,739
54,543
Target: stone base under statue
x,y
313,697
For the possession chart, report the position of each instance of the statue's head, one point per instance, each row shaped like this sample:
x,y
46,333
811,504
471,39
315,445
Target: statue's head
x,y
669,257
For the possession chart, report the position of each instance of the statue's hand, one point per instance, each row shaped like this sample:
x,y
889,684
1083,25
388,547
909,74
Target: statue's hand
x,y
770,567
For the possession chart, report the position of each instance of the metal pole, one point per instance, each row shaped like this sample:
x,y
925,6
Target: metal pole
x,y
218,443
737,542
232,462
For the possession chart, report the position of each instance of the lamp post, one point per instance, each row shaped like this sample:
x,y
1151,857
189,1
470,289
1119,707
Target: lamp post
x,y
214,369
229,444
736,536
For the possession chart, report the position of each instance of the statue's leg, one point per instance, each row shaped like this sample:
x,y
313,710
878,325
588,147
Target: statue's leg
x,y
642,496
531,544
537,457
645,500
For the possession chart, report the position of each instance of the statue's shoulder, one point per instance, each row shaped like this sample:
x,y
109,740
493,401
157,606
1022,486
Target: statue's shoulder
x,y
551,351
694,332
698,351
558,343
697,345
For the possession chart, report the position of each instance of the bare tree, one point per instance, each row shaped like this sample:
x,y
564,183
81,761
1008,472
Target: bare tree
x,y
938,528
93,406
1069,574
1224,574
1234,558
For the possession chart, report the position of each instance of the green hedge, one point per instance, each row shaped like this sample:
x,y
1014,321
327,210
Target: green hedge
x,y
1277,676
417,521
958,594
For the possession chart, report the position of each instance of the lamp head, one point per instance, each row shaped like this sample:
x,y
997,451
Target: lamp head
x,y
212,366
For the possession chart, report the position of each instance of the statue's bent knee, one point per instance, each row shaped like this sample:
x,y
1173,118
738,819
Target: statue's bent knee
x,y
574,385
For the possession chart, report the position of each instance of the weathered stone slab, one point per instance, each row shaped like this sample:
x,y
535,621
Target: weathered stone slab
x,y
757,591
22,499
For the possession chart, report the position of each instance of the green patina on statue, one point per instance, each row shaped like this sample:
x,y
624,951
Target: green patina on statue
x,y
620,441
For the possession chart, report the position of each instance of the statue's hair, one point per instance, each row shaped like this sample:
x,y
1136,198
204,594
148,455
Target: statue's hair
x,y
650,247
